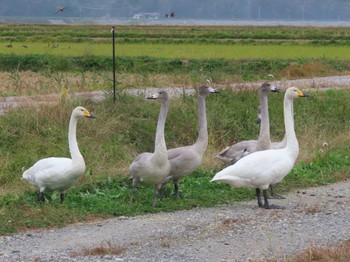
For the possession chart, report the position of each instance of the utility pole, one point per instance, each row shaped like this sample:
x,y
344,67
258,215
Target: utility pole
x,y
113,49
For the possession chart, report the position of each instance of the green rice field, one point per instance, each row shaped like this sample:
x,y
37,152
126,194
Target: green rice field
x,y
182,51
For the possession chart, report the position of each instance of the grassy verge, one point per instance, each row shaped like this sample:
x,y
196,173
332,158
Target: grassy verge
x,y
126,128
39,74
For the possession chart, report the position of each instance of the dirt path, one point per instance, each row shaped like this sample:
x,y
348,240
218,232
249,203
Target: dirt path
x,y
241,231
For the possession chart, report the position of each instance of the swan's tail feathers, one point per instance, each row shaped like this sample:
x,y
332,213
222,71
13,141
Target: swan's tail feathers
x,y
217,178
230,180
221,176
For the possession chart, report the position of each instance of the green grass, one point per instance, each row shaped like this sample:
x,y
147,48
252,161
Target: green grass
x,y
184,51
124,129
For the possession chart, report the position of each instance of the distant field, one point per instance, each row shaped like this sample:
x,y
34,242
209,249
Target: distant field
x,y
170,34
185,51
80,56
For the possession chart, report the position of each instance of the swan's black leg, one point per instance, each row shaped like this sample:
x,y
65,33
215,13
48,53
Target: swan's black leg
x,y
62,197
41,197
156,192
273,194
135,182
257,190
266,204
162,190
176,188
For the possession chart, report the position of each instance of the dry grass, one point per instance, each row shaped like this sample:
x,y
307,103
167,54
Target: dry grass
x,y
105,248
32,83
233,223
336,253
307,70
310,209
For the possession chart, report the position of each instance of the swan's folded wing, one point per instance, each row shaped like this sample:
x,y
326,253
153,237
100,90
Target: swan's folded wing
x,y
232,154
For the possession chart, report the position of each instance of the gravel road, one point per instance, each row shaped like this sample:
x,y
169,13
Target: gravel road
x,y
237,232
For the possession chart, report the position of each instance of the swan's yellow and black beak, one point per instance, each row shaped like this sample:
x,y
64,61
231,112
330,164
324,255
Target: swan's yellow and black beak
x,y
301,94
88,114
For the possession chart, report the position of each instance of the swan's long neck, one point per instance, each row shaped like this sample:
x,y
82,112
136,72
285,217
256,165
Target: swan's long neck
x,y
264,141
72,141
160,146
202,140
292,141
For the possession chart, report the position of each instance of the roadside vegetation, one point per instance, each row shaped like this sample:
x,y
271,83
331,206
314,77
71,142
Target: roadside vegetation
x,y
124,129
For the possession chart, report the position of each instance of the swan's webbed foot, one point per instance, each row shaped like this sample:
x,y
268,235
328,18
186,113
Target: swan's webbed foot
x,y
273,195
41,197
257,190
276,207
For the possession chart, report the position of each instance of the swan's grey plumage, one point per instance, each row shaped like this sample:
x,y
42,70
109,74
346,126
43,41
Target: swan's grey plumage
x,y
58,173
153,168
184,160
260,169
235,152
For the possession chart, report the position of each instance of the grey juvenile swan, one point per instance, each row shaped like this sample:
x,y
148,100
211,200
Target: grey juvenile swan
x,y
184,160
260,169
232,154
60,173
153,168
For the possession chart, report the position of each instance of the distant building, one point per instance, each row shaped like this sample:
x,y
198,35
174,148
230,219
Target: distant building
x,y
146,16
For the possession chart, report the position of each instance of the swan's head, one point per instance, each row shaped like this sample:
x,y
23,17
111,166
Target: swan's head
x,y
82,112
267,88
294,92
160,95
206,90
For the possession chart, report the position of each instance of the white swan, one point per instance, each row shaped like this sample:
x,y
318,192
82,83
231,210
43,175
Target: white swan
x,y
184,160
59,173
263,168
153,168
232,154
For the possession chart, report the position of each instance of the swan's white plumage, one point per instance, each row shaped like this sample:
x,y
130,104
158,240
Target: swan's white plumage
x,y
53,173
263,168
257,170
59,173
